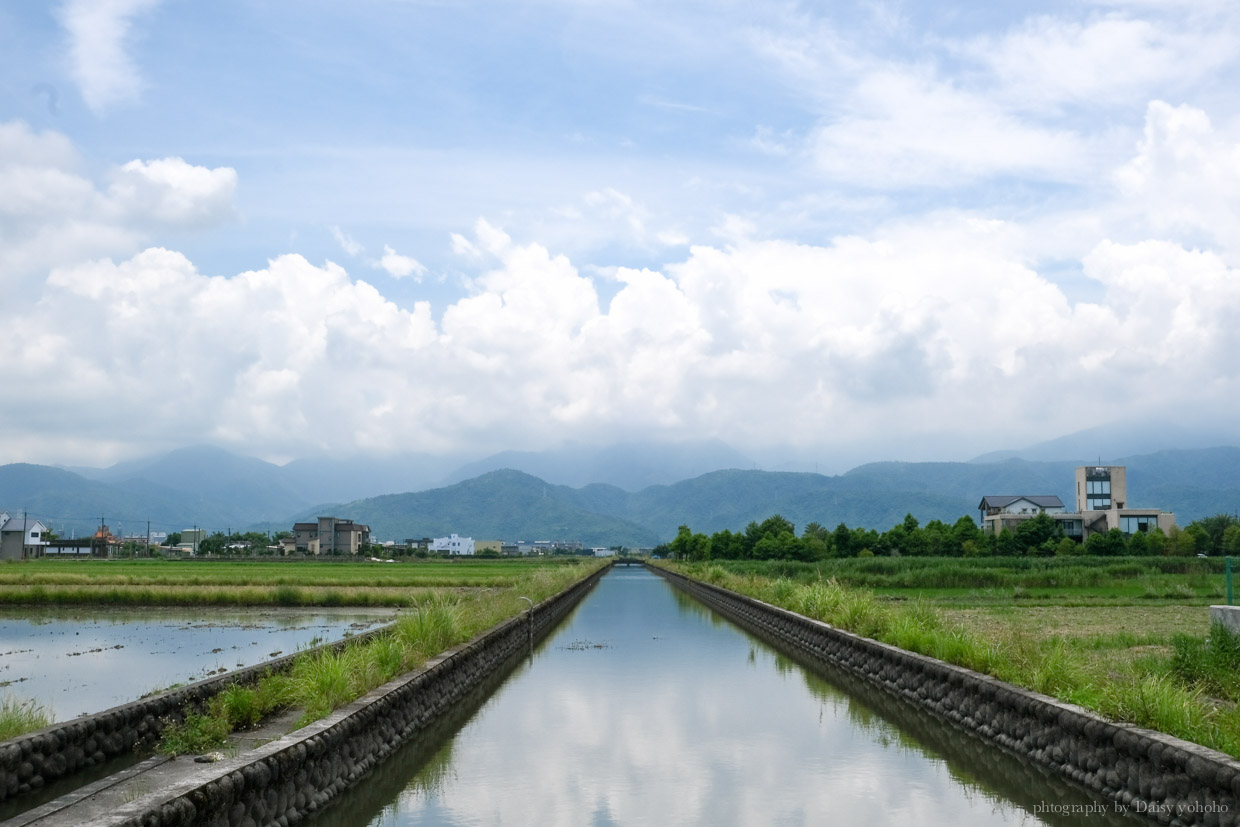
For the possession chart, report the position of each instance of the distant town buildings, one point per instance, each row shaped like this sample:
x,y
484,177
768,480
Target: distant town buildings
x,y
1101,505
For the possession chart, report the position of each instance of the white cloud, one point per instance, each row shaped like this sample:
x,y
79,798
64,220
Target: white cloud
x,y
347,242
398,266
171,191
99,63
897,331
1050,61
1184,179
908,128
52,215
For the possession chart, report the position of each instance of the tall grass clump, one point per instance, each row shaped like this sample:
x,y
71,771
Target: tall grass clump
x,y
1211,663
430,629
19,717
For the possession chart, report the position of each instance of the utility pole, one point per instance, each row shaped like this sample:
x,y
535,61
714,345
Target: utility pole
x,y
148,538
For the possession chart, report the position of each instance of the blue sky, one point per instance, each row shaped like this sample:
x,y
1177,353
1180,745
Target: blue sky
x,y
827,231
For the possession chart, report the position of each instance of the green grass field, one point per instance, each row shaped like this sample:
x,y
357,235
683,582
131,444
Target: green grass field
x,y
254,583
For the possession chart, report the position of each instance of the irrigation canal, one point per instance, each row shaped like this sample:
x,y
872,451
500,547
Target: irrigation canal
x,y
645,707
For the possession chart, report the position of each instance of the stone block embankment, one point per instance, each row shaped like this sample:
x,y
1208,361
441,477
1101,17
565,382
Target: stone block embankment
x,y
286,780
1174,781
29,762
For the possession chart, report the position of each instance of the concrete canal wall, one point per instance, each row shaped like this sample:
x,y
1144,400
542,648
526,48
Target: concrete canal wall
x,y
31,761
1174,781
286,780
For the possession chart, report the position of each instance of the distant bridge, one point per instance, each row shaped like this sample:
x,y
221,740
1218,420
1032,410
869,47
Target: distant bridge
x,y
628,561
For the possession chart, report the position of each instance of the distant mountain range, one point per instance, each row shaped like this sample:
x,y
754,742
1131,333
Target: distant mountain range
x,y
211,488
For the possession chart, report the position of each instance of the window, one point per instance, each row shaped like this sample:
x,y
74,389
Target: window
x,y
1071,528
1138,525
1098,487
1097,503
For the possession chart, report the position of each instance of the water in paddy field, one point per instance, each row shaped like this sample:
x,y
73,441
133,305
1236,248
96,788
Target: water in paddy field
x,y
77,661
645,707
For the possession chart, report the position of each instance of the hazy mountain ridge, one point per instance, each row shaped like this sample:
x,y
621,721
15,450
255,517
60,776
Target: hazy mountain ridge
x,y
209,487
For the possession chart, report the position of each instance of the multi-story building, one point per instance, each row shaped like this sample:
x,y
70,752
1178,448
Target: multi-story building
x,y
1101,505
453,545
331,535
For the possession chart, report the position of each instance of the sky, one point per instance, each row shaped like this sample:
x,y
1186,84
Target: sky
x,y
856,230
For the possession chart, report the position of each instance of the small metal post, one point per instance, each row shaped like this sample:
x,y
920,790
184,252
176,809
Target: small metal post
x,y
1227,569
529,614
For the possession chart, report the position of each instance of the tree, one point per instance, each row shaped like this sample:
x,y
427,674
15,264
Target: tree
x,y
1068,547
1006,545
841,539
1138,544
690,546
1215,528
1035,532
1231,541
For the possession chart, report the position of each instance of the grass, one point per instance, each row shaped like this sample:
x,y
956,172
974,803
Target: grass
x,y
1159,667
254,583
1001,580
322,681
18,717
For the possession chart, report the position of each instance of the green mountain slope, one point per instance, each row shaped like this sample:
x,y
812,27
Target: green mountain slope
x,y
507,505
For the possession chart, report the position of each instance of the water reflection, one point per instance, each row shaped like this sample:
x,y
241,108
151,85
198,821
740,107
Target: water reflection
x,y
78,661
647,708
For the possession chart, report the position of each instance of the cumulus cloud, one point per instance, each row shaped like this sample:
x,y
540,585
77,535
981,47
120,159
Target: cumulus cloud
x,y
52,214
903,330
1185,178
171,191
99,63
398,266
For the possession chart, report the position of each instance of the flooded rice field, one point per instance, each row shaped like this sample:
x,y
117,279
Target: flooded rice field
x,y
78,661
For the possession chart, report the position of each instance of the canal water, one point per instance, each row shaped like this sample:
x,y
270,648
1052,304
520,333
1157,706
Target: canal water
x,y
645,707
79,661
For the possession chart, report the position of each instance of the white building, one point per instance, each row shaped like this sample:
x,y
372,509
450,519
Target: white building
x,y
21,537
454,545
602,552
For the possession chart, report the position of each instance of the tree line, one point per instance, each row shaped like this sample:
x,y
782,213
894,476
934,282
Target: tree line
x,y
775,538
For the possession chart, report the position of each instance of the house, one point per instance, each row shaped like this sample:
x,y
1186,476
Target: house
x,y
331,535
496,546
453,545
602,552
21,537
1010,510
1101,505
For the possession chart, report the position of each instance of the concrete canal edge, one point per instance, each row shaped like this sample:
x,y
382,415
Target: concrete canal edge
x,y
29,762
1172,780
286,780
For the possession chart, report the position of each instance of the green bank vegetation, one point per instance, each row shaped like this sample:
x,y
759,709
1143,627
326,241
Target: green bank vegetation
x,y
320,682
1162,677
